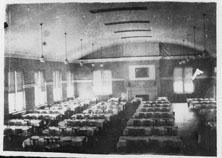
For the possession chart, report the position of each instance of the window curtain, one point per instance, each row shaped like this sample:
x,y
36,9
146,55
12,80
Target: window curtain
x,y
70,85
107,82
16,93
102,82
40,89
57,86
188,82
178,80
183,83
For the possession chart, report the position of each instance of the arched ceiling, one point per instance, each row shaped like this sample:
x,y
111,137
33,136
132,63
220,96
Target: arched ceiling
x,y
103,24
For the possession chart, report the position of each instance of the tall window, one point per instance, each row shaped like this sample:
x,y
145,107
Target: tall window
x,y
102,82
57,86
70,85
183,83
40,89
16,93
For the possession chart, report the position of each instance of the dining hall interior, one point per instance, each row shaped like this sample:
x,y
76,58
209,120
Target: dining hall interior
x,y
111,78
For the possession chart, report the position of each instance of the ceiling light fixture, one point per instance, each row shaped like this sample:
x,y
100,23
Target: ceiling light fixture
x,y
66,60
42,58
204,30
103,10
93,65
133,30
81,63
127,22
194,36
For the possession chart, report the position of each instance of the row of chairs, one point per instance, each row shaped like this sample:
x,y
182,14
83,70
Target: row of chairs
x,y
81,123
156,105
53,142
141,115
163,131
141,129
150,146
161,144
89,116
151,122
71,131
154,109
25,122
201,103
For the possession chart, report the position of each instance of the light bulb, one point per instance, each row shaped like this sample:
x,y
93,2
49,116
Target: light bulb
x,y
42,59
66,61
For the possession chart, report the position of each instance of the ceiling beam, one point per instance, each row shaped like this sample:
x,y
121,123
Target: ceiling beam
x,y
128,22
130,59
133,30
125,37
94,11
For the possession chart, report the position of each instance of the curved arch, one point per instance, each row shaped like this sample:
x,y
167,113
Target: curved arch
x,y
88,50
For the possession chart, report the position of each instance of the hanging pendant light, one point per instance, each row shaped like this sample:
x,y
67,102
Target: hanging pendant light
x,y
42,58
66,60
204,31
194,36
93,65
81,63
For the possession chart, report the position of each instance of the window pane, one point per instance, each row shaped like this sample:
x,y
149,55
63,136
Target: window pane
x,y
97,82
178,86
58,79
188,82
40,90
188,86
57,86
20,101
178,73
188,72
178,80
11,81
19,78
54,79
70,85
107,82
11,102
42,81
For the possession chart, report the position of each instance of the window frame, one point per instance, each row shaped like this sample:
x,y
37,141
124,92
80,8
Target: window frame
x,y
184,80
15,93
70,84
40,86
57,85
103,85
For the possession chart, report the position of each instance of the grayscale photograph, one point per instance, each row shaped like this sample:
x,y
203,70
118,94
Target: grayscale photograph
x,y
115,78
